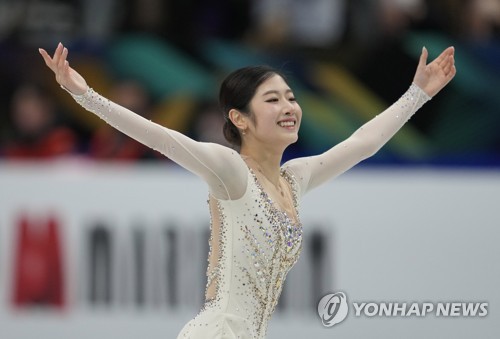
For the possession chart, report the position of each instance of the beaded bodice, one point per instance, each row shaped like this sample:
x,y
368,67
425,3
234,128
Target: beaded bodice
x,y
257,245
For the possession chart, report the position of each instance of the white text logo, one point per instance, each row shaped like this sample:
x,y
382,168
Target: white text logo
x,y
332,308
450,309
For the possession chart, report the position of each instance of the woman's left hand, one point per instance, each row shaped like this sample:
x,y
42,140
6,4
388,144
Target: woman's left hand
x,y
432,77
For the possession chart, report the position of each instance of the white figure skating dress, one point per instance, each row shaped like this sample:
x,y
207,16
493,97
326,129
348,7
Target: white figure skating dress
x,y
254,242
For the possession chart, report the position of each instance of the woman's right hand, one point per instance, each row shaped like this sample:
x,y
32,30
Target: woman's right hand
x,y
65,75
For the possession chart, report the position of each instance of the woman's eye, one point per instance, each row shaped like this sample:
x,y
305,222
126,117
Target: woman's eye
x,y
292,99
272,100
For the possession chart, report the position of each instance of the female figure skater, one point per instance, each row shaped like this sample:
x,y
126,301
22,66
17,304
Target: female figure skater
x,y
256,234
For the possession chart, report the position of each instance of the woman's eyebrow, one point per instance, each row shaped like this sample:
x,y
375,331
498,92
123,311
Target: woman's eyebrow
x,y
273,91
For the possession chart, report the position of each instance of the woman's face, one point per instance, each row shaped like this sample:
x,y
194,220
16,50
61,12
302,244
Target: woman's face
x,y
276,113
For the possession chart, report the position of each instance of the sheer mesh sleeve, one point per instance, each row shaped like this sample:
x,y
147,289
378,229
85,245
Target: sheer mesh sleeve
x,y
310,172
221,167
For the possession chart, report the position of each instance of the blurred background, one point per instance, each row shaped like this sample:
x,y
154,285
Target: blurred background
x,y
347,61
79,194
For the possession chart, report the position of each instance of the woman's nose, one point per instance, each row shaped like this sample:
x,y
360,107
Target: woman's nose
x,y
289,108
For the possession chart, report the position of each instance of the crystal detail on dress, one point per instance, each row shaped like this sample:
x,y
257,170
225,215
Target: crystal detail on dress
x,y
412,100
258,245
93,102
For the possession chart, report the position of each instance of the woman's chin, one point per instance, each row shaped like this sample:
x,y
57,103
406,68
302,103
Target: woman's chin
x,y
290,139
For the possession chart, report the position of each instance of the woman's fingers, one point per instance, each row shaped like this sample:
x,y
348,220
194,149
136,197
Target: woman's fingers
x,y
449,62
46,57
444,56
62,59
57,54
65,75
452,70
57,62
423,57
448,65
448,69
445,61
441,58
434,76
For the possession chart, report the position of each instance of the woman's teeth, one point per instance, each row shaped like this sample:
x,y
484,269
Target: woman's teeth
x,y
287,123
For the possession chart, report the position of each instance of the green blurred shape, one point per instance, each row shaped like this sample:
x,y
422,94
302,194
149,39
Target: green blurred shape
x,y
228,56
164,70
360,105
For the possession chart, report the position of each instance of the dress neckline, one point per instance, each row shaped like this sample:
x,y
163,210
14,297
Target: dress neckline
x,y
294,218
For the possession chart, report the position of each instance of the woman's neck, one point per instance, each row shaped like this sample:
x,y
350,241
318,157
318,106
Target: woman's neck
x,y
264,161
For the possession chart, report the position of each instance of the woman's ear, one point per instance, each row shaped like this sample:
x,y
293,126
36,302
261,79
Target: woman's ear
x,y
239,119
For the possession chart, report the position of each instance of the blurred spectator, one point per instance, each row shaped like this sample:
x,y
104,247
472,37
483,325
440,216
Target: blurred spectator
x,y
377,32
483,19
222,18
39,22
36,131
484,31
144,15
208,123
100,18
473,20
374,22
474,24
302,23
46,22
108,143
187,23
397,15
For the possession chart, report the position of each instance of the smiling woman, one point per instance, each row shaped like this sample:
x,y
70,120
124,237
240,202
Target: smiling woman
x,y
271,105
237,92
256,233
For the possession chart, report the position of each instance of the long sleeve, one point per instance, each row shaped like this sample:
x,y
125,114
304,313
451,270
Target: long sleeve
x,y
221,167
366,141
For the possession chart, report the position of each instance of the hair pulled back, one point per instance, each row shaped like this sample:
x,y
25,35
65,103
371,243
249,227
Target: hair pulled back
x,y
236,92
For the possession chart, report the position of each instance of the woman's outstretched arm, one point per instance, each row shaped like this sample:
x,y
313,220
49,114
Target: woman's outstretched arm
x,y
368,139
222,168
